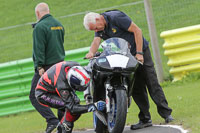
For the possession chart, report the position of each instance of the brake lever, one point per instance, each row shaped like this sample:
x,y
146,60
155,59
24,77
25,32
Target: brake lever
x,y
96,55
90,58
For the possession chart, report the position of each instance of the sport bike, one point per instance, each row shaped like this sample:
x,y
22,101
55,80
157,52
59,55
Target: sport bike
x,y
112,79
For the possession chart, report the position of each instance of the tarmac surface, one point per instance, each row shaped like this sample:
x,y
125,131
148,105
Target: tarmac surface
x,y
153,129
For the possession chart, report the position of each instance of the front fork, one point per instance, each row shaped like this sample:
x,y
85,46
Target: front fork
x,y
109,90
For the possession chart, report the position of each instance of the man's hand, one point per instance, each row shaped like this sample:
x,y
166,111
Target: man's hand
x,y
92,108
41,71
100,105
89,55
140,58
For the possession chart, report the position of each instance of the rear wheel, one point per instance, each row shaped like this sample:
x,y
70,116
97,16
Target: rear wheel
x,y
117,116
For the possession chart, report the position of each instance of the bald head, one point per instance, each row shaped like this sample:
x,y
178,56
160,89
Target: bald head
x,y
41,9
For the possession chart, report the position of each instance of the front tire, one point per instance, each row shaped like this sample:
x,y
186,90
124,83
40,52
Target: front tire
x,y
117,116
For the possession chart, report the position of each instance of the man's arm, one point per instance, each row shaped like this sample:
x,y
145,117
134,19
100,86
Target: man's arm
x,y
138,40
94,47
72,102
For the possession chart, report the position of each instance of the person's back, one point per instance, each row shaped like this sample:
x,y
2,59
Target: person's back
x,y
50,36
117,26
54,78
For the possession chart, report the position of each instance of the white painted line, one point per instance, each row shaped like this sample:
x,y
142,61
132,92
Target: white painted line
x,y
15,26
173,126
102,9
74,14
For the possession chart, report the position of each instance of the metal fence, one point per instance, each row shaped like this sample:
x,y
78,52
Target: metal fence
x,y
15,82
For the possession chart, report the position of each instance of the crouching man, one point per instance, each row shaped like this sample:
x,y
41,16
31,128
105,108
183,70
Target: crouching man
x,y
56,88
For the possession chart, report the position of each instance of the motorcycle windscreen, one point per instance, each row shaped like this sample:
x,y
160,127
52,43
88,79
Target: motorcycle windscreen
x,y
115,45
116,53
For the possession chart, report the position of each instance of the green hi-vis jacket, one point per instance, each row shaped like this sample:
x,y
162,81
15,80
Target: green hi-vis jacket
x,y
48,39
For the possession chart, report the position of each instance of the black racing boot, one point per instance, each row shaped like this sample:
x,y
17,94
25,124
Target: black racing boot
x,y
59,129
141,124
67,127
50,128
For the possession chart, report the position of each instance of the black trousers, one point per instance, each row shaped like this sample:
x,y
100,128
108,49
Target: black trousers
x,y
145,77
44,111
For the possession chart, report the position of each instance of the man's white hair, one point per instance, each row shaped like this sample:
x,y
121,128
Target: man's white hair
x,y
90,18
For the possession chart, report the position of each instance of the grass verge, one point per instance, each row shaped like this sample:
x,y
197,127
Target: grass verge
x,y
182,96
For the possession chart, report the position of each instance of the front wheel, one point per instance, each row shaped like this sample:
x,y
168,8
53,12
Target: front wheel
x,y
117,116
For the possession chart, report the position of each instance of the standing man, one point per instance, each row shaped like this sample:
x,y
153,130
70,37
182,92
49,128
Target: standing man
x,y
48,49
117,24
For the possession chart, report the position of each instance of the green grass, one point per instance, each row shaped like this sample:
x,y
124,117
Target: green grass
x,y
16,43
182,96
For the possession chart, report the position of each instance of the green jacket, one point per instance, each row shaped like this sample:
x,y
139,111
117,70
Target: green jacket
x,y
48,39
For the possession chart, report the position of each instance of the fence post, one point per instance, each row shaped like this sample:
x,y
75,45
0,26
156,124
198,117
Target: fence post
x,y
154,39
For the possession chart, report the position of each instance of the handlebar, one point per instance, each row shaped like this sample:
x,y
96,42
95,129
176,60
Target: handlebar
x,y
97,54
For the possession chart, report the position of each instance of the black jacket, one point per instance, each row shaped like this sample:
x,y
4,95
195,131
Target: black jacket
x,y
54,90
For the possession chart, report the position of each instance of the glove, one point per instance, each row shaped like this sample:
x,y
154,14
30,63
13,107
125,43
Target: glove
x,y
92,108
100,105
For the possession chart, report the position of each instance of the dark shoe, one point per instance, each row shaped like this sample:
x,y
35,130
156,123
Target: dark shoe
x,y
59,129
67,127
141,124
50,128
169,119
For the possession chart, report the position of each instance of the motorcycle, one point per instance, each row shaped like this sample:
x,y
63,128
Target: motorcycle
x,y
112,79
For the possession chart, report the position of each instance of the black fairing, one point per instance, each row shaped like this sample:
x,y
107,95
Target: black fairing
x,y
102,71
102,64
